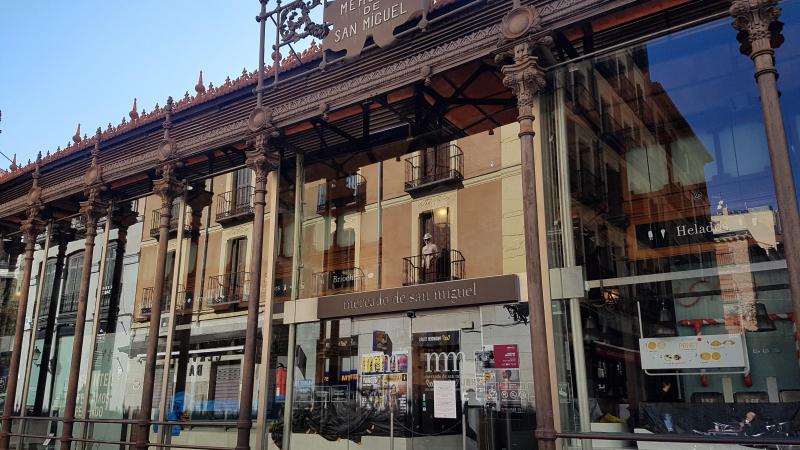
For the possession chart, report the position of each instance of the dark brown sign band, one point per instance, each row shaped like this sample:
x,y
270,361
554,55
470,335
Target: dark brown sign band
x,y
473,291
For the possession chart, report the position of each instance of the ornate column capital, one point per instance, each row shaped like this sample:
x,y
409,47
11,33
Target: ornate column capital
x,y
758,25
264,157
168,187
31,228
523,76
92,210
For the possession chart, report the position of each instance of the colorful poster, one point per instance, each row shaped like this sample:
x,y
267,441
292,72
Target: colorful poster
x,y
384,381
506,356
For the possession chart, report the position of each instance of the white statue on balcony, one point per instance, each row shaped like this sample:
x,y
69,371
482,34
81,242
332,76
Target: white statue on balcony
x,y
429,251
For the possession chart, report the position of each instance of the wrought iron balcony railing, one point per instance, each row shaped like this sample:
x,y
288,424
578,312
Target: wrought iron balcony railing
x,y
155,223
445,265
587,187
234,206
339,193
338,281
434,166
148,297
581,101
619,137
228,290
69,303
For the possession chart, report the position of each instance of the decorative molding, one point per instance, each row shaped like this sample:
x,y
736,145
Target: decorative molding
x,y
371,83
190,144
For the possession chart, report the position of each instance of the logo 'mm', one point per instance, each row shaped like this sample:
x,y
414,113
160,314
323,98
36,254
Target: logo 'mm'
x,y
442,361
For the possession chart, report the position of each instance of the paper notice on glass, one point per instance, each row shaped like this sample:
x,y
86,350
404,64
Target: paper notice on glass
x,y
444,399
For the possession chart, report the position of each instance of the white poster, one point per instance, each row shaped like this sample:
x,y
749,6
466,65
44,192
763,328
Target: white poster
x,y
444,399
712,351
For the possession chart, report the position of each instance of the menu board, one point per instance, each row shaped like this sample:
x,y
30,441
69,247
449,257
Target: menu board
x,y
693,352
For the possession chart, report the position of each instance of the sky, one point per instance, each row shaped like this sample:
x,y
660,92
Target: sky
x,y
69,62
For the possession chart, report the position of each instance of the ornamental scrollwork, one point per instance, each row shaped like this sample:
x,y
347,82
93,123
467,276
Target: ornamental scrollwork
x,y
168,188
264,157
31,228
295,22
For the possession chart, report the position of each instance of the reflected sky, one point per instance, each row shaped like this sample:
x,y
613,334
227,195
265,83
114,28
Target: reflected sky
x,y
712,86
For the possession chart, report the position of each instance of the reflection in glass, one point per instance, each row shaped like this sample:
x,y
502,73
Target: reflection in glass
x,y
672,205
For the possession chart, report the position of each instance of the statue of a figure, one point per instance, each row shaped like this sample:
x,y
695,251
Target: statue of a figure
x,y
429,252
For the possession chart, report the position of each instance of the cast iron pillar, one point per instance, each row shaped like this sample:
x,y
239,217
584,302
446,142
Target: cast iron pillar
x,y
63,234
92,210
31,228
198,199
123,218
526,79
263,159
759,36
168,188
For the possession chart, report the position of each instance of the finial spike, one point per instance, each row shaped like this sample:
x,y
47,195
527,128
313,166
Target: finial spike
x,y
77,137
199,87
134,114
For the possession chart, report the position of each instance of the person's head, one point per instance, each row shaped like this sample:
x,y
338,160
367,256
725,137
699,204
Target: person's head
x,y
750,416
427,238
666,386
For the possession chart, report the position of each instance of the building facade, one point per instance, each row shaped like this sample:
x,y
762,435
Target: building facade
x,y
450,224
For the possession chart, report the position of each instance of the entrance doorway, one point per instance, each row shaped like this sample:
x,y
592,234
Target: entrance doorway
x,y
449,379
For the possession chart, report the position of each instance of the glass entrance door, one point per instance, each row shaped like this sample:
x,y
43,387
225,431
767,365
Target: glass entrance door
x,y
472,379
448,379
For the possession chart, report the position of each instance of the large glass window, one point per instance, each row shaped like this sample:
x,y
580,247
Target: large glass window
x,y
787,59
413,214
667,203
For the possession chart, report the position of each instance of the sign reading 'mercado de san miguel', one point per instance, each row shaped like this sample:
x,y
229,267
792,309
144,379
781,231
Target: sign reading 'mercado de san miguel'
x,y
354,20
474,291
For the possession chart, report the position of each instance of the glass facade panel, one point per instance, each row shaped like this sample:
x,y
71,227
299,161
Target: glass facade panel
x,y
392,219
787,60
666,201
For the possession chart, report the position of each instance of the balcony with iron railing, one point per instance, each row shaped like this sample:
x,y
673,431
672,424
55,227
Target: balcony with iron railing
x,y
69,303
444,265
235,206
155,223
435,166
228,290
587,187
338,281
148,296
342,193
612,132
